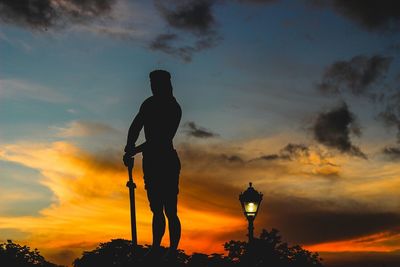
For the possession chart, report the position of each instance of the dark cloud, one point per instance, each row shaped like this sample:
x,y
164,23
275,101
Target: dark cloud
x,y
36,13
372,15
382,15
289,152
306,159
42,14
170,44
309,221
301,220
394,47
333,129
258,1
232,158
392,152
391,113
356,75
90,8
390,118
294,150
196,131
269,157
194,15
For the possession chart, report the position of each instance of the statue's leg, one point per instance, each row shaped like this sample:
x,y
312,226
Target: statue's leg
x,y
174,224
158,223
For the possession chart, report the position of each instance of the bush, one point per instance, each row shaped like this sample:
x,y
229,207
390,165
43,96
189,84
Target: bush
x,y
267,250
14,255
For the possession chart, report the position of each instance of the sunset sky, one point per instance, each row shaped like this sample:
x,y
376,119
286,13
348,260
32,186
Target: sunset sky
x,y
301,98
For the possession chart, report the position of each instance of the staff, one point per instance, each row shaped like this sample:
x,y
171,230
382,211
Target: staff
x,y
131,185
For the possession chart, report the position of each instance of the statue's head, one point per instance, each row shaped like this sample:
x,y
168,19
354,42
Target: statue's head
x,y
160,81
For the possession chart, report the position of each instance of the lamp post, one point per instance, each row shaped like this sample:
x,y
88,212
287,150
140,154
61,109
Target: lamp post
x,y
250,201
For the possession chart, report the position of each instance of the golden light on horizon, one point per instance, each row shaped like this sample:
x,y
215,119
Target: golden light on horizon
x,y
90,203
379,242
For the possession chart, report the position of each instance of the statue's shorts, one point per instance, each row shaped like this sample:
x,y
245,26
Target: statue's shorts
x,y
161,175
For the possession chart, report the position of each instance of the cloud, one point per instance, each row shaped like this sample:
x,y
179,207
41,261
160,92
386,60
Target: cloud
x,y
390,118
289,152
259,1
316,221
358,76
39,14
42,14
294,150
114,30
269,157
172,44
355,76
372,15
84,128
232,158
391,113
321,163
392,152
90,200
193,17
124,20
11,88
333,129
194,130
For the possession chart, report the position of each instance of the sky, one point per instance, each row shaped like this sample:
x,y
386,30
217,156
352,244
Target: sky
x,y
299,97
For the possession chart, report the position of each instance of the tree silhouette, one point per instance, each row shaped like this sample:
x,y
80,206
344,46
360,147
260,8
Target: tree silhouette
x,y
118,252
267,250
121,253
14,255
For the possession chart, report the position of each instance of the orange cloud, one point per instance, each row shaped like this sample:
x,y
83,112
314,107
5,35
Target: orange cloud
x,y
84,128
379,242
91,204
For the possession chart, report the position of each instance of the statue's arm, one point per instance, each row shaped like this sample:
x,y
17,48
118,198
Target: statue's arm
x,y
134,131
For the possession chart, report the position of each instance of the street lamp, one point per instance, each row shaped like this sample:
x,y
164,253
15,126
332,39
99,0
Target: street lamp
x,y
250,200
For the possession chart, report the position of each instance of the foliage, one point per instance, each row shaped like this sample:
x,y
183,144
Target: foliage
x,y
14,255
119,253
267,250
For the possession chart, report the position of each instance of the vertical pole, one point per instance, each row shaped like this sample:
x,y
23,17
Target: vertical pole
x,y
251,242
131,185
251,230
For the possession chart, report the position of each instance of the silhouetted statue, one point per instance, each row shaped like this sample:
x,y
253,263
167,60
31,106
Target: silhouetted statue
x,y
159,115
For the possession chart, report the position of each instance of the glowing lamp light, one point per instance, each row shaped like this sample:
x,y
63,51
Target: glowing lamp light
x,y
250,208
250,201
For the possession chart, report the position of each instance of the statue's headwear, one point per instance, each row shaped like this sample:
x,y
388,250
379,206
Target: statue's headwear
x,y
160,75
162,82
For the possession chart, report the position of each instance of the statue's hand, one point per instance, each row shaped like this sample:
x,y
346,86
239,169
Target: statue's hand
x,y
128,160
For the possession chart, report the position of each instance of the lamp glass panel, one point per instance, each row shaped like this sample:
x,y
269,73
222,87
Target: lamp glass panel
x,y
250,208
